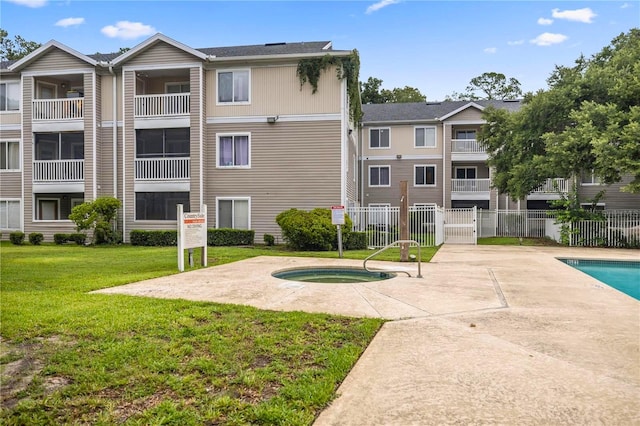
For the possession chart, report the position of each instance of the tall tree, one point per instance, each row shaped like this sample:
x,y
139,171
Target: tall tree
x,y
16,48
404,95
371,93
490,85
588,120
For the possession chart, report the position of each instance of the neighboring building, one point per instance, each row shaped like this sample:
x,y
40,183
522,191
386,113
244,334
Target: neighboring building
x,y
434,147
165,124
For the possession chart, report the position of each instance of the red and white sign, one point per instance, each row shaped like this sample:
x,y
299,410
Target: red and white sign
x,y
337,215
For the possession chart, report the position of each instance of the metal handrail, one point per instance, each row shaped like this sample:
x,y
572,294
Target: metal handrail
x,y
364,265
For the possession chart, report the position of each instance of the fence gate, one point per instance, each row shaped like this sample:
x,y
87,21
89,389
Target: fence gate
x,y
460,226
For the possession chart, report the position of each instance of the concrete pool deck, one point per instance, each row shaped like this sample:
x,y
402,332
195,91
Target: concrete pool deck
x,y
490,335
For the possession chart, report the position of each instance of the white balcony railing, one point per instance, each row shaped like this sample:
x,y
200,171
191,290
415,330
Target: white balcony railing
x,y
58,109
58,171
553,186
470,185
162,168
162,105
467,146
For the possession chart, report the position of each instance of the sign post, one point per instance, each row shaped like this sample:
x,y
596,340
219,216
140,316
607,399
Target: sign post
x,y
337,218
192,233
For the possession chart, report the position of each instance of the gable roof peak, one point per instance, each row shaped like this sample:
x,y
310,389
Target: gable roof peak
x,y
51,44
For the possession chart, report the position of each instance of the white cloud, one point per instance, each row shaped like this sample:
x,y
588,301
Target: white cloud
x,y
547,39
545,21
69,22
30,3
515,42
128,30
491,50
585,15
382,3
625,5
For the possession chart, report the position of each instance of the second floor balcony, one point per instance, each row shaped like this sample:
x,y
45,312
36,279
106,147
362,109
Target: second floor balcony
x,y
162,169
58,109
468,149
470,185
162,105
58,171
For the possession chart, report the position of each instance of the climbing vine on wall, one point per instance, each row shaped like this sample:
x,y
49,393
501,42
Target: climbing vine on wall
x,y
347,67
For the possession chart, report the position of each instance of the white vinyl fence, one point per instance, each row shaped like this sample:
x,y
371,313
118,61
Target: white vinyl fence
x,y
618,228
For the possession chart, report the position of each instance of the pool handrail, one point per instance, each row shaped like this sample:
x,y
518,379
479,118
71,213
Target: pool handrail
x,y
364,265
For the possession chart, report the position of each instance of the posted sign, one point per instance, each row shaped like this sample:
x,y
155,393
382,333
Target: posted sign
x,y
337,215
192,233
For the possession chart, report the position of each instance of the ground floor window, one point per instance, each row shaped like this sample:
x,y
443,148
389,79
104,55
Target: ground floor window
x,y
424,175
160,205
379,176
9,214
233,213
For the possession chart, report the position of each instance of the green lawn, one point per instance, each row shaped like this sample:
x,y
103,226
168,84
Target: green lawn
x,y
105,359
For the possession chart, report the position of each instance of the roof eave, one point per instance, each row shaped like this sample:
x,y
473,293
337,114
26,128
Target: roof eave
x,y
462,108
151,41
45,48
280,56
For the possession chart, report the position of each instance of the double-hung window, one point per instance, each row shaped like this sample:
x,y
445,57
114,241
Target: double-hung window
x,y
424,175
589,178
10,155
177,88
234,150
9,214
425,137
233,86
379,138
465,134
10,96
379,176
233,213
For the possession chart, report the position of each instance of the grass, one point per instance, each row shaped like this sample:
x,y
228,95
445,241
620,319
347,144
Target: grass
x,y
70,357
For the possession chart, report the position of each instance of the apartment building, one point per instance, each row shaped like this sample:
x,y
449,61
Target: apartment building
x,y
434,147
165,124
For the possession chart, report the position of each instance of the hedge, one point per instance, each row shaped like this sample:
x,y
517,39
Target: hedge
x,y
77,238
215,237
36,238
355,241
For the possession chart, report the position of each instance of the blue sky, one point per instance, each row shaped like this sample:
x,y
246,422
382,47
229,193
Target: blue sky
x,y
435,46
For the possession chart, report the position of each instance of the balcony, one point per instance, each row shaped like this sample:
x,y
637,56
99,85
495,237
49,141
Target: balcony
x,y
550,190
164,105
58,171
470,189
58,109
468,149
162,169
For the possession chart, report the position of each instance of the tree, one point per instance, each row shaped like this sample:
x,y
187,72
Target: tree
x,y
16,48
492,85
99,216
588,120
371,93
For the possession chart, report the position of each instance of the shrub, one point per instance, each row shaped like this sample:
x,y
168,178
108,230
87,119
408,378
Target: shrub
x,y
153,238
98,215
60,238
78,238
36,238
16,237
230,237
355,241
311,230
269,239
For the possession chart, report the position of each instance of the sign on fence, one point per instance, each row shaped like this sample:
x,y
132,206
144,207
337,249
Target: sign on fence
x,y
192,233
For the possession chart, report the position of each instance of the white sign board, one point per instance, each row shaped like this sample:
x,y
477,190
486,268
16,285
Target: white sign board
x,y
337,215
192,233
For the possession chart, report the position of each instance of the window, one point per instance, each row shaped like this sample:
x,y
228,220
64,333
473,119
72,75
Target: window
x,y
233,213
9,214
10,96
379,176
465,172
48,209
177,88
233,150
161,143
465,134
379,138
160,205
425,137
9,155
424,175
59,146
233,86
589,178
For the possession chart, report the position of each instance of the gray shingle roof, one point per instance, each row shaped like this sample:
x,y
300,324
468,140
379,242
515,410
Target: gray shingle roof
x,y
269,49
415,111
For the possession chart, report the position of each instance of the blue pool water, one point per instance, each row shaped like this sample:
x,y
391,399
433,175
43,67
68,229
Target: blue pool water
x,y
622,275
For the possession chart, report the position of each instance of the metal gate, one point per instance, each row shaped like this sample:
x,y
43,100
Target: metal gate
x,y
460,226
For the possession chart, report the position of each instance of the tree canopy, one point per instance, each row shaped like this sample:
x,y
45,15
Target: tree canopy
x,y
587,121
371,93
490,85
16,48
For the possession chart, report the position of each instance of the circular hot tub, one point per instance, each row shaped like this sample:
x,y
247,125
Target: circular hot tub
x,y
332,275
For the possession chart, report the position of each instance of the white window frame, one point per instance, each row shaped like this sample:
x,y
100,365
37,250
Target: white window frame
x,y
595,181
220,135
435,175
37,210
467,130
379,166
455,171
233,71
7,83
388,129
41,84
7,201
435,137
234,199
6,148
176,83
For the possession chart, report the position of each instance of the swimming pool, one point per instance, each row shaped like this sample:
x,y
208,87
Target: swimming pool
x,y
622,275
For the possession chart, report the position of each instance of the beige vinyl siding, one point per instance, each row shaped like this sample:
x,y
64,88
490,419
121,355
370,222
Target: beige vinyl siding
x,y
160,53
56,59
402,170
276,90
613,197
352,169
470,114
106,98
196,120
89,128
401,140
105,161
446,165
27,154
127,163
293,165
11,184
10,118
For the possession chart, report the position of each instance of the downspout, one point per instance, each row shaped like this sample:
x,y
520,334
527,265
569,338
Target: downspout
x,y
343,143
444,163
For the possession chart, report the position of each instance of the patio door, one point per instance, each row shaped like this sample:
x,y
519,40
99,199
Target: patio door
x,y
48,210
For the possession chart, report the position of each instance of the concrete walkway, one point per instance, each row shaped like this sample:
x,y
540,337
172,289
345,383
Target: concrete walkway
x,y
492,335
